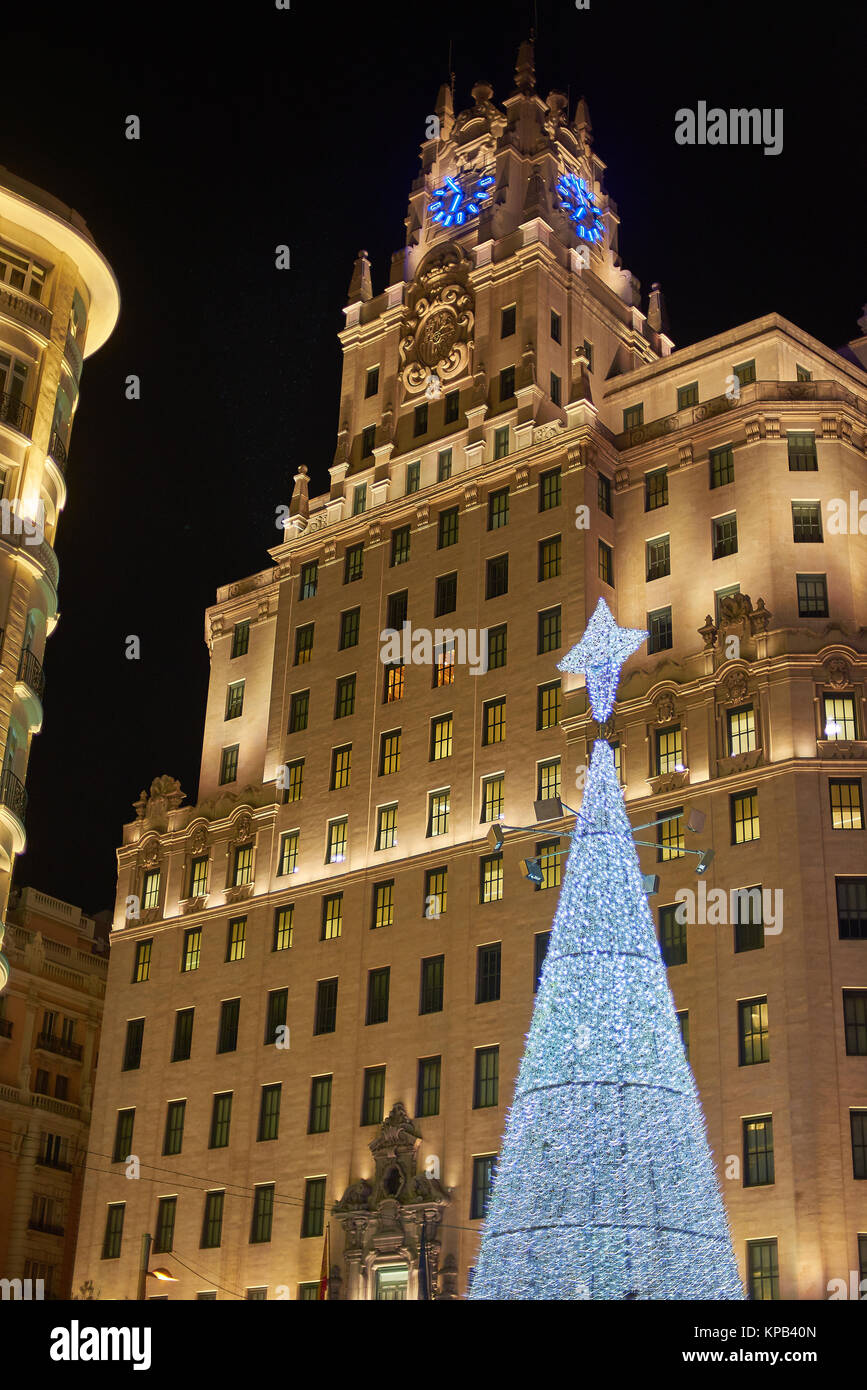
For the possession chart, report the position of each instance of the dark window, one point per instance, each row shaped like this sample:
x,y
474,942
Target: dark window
x,y
683,1020
497,647
549,630
541,941
396,609
353,563
309,579
263,1213
446,594
344,699
507,383
488,973
812,596
313,1217
722,466
603,494
687,395
368,440
802,452
240,639
349,623
419,420
428,1089
806,522
508,318
444,465
753,1039
550,557
377,995
111,1241
275,1015
759,1152
497,576
413,477
269,1113
724,531
453,406
556,391
672,935
212,1221
359,499
588,353
803,374
326,1007
556,326
221,1120
606,564
550,490
371,384
227,1038
173,1136
123,1135
745,372
133,1045
319,1121
486,1081
633,416
854,1021
483,1174
432,982
852,909
373,1096
448,527
659,626
400,544
498,509
655,489
657,558
858,1119
749,922
763,1270
229,764
501,442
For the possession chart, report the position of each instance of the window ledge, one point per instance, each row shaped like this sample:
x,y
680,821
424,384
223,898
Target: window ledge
x,y
831,748
739,762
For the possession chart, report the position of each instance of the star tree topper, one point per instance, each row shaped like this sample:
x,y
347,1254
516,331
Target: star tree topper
x,y
599,656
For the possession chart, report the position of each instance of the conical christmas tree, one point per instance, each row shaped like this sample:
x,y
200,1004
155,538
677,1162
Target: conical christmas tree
x,y
605,1186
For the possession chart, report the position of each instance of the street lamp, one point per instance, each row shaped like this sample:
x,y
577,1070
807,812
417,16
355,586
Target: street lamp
x,y
163,1275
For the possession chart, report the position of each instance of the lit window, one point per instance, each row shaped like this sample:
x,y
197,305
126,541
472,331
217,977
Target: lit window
x,y
494,721
309,579
493,796
192,949
759,1152
549,635
486,1081
745,817
284,918
669,837
497,647
548,705
655,489
550,557
341,766
669,750
657,558
151,889
491,875
142,967
741,730
839,722
288,852
550,862
550,488
847,804
383,904
436,892
438,812
389,753
337,837
235,700
242,869
236,941
441,735
753,1038
722,466
394,683
548,780
386,828
332,916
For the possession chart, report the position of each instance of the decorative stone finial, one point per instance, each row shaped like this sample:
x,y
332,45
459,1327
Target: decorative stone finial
x,y
360,288
525,69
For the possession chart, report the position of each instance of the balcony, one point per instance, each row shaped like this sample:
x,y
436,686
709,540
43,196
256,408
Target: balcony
x,y
25,310
14,412
45,1227
13,794
57,451
5,1027
50,1043
30,672
43,1161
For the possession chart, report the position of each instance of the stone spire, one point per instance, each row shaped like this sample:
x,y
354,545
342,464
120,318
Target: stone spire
x,y
525,69
360,289
657,315
445,110
299,504
535,198
583,127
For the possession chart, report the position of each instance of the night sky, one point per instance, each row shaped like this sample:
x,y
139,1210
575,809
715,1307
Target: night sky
x,y
262,127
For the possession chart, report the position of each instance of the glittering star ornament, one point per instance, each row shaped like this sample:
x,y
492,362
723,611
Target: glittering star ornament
x,y
600,655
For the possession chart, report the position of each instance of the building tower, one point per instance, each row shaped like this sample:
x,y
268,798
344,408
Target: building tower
x,y
323,970
58,303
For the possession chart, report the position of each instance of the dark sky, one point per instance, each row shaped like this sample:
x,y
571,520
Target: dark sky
x,y
261,127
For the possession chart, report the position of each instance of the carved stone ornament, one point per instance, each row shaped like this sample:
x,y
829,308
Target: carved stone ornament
x,y
735,687
165,795
665,708
522,476
329,551
838,672
242,831
549,431
149,854
437,329
374,533
471,494
198,840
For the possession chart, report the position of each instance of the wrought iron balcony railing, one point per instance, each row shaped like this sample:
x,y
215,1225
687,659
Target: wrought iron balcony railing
x,y
13,794
31,673
57,451
52,1043
14,412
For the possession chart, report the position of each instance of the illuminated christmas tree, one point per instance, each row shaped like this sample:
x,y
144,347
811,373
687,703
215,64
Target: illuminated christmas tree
x,y
605,1186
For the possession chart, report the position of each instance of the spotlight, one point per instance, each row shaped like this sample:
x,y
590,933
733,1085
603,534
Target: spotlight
x,y
531,869
549,808
496,838
650,883
704,863
695,821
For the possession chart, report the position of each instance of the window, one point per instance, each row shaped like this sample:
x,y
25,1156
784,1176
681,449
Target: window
x,y
111,1241
847,805
763,1271
687,395
165,1225
447,533
802,451
386,827
839,717
492,797
497,576
284,918
854,1023
212,1221
258,1294
413,475
806,522
858,1119
683,1020
741,724
672,935
446,594
655,489
749,922
444,465
269,1113
313,1214
240,639
550,488
493,721
349,623
344,701
603,494
483,1175
242,868
606,563
541,942
432,982
400,545
192,950
452,406
183,1039
173,1136
753,1044
396,609
368,441
383,904
309,1293
199,876
275,1015
548,704
123,1135
498,509
236,939
263,1213
419,424
326,1007
548,855
299,708
615,749
389,753
724,531
507,320
812,596
428,1088
657,555
332,916
745,817
549,635
288,852
759,1152
556,326
659,626
309,579
377,995
548,780
43,1081
669,836
353,564
803,374
338,830
722,466
588,353
501,442
359,499
341,767
486,1079
373,1096
745,372
435,892
235,699
229,764
507,383
438,812
488,973
132,1047
669,750
497,647
141,970
633,416
221,1120
371,382
22,273
319,1120
852,909
227,1037
550,557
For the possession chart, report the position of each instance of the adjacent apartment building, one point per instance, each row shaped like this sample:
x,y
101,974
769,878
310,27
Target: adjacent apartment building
x,y
324,969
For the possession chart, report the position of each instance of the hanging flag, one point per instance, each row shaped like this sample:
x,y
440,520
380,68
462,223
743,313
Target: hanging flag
x,y
326,1263
423,1270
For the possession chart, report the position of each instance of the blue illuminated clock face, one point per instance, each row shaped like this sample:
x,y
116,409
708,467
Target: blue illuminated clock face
x,y
460,198
577,201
